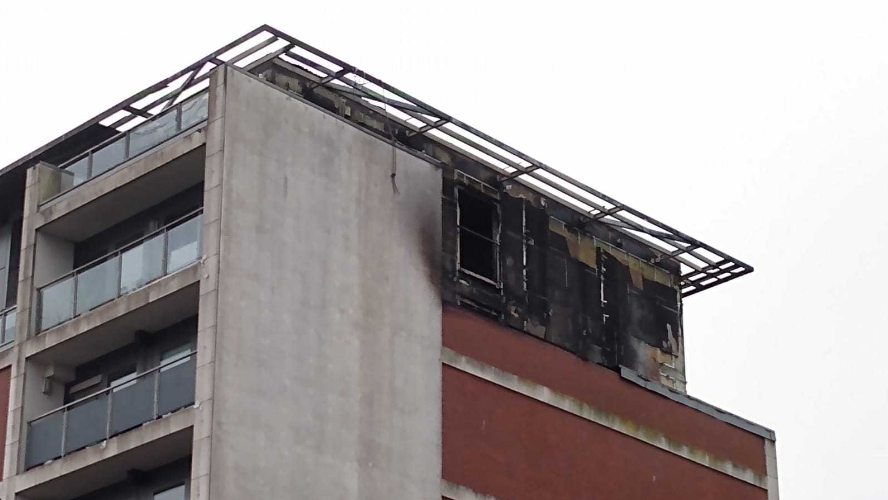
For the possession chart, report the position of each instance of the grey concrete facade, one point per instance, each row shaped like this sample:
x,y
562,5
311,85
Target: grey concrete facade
x,y
354,401
331,276
34,388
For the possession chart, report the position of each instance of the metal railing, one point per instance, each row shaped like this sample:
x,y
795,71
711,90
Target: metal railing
x,y
7,326
104,414
162,252
122,147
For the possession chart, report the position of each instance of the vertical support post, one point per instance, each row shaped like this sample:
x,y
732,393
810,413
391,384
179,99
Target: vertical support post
x,y
156,392
74,297
89,166
110,410
64,430
120,273
164,265
38,321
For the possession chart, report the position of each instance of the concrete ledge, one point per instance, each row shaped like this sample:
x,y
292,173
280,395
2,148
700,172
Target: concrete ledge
x,y
120,175
104,315
6,355
712,411
153,444
580,409
455,491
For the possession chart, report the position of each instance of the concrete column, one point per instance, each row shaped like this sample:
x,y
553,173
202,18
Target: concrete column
x,y
328,331
771,464
15,426
206,323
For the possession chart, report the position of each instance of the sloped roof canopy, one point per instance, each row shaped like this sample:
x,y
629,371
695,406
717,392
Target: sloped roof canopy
x,y
702,266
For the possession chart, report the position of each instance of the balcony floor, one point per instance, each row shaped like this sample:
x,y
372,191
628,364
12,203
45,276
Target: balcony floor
x,y
153,307
125,191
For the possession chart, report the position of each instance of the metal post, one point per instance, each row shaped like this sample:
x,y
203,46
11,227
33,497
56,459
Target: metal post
x,y
74,298
166,246
39,310
108,420
156,391
119,292
64,430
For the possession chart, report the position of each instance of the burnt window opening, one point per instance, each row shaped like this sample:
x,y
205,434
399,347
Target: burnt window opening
x,y
478,222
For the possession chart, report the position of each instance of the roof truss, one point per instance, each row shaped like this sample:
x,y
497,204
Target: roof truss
x,y
702,266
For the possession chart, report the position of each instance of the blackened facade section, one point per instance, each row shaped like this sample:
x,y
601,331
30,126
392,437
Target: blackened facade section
x,y
557,273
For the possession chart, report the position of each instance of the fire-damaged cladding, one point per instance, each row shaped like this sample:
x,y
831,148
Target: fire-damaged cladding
x,y
538,267
530,261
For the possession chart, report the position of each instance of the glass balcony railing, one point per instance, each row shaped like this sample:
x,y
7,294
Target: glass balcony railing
x,y
7,326
130,144
159,254
117,409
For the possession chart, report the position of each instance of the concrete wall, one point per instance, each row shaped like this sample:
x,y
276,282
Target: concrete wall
x,y
54,258
38,400
5,378
327,347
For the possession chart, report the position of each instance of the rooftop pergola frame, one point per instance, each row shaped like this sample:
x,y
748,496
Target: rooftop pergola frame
x,y
702,266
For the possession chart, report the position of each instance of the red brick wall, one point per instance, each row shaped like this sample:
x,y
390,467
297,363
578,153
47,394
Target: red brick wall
x,y
507,445
501,443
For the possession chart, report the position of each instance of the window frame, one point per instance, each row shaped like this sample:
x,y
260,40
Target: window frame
x,y
181,355
124,377
496,230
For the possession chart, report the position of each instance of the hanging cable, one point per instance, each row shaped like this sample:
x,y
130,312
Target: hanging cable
x,y
391,129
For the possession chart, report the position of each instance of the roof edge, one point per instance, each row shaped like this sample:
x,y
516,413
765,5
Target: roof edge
x,y
702,266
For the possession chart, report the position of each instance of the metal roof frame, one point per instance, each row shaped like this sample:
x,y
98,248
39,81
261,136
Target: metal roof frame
x,y
702,266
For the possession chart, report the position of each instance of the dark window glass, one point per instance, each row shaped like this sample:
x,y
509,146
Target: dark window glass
x,y
478,235
174,493
122,378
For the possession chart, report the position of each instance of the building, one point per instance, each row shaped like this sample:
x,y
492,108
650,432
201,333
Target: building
x,y
272,275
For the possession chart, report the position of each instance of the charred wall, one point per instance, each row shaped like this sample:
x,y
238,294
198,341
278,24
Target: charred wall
x,y
553,272
569,282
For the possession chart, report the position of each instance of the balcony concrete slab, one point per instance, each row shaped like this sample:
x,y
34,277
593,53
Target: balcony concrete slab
x,y
112,325
155,444
126,190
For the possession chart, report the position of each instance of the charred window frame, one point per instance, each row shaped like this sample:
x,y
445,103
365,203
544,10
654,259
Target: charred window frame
x,y
478,228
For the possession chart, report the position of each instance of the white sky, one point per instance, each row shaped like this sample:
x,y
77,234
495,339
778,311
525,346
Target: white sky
x,y
758,127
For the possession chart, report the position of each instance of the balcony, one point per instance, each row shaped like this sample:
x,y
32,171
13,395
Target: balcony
x,y
112,411
148,259
7,327
127,145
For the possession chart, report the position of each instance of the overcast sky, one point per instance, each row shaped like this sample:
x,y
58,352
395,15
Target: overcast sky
x,y
760,128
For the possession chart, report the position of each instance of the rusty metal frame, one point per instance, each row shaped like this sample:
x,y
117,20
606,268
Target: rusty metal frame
x,y
702,266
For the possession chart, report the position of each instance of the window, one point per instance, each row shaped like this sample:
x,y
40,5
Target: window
x,y
174,357
479,227
123,379
174,493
